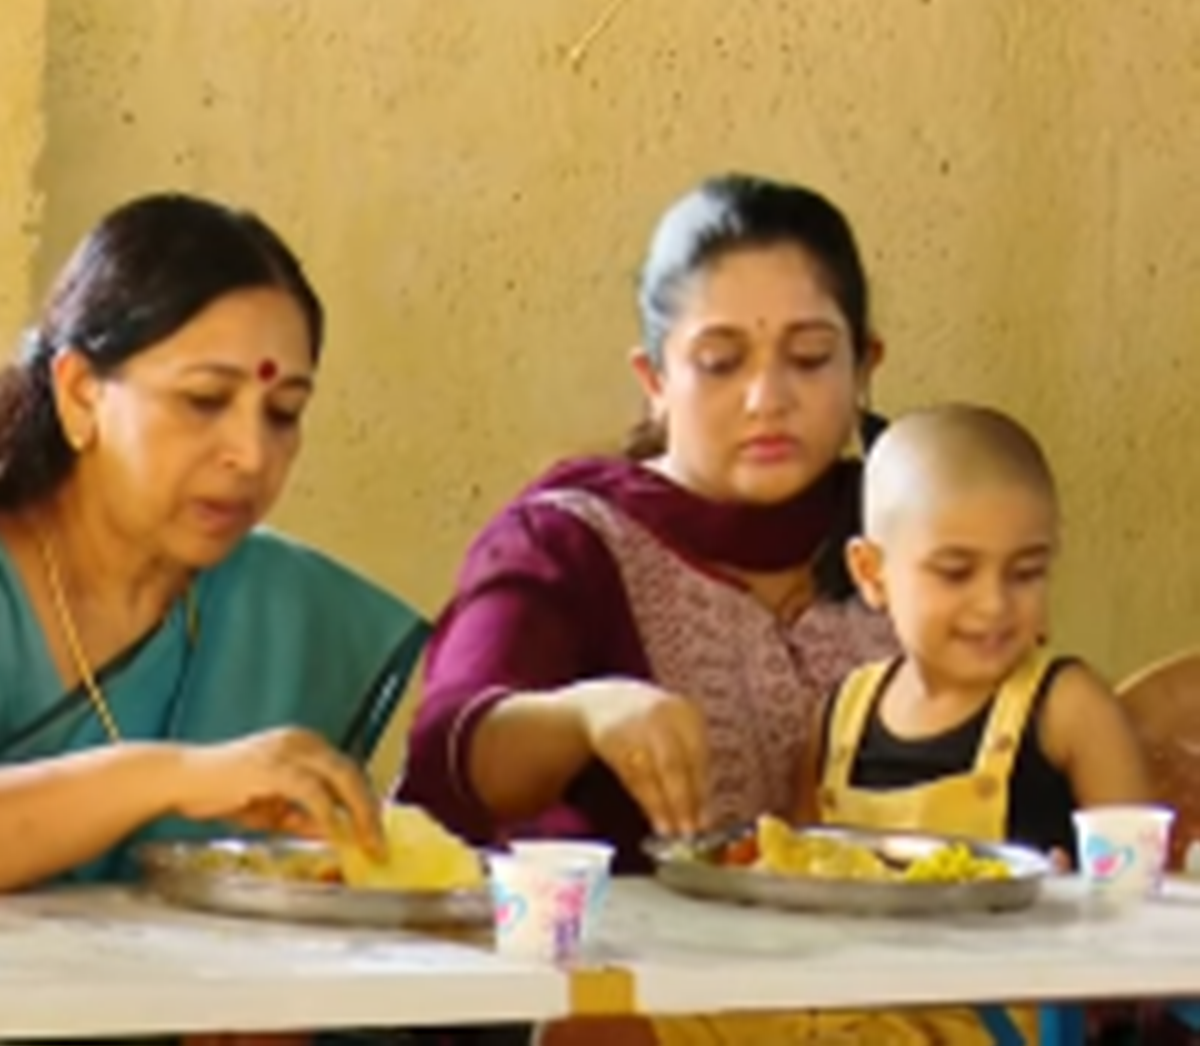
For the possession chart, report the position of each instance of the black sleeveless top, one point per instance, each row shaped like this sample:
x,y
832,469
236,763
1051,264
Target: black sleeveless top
x,y
1040,802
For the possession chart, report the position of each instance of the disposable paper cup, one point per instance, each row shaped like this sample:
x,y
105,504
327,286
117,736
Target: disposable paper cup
x,y
538,907
594,858
1122,850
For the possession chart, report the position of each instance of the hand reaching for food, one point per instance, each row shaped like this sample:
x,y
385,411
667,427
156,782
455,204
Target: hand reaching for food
x,y
657,744
286,780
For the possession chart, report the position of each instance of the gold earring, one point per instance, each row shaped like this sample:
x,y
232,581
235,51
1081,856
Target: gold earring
x,y
855,450
855,447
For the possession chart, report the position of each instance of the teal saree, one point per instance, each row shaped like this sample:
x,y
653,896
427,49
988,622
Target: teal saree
x,y
277,634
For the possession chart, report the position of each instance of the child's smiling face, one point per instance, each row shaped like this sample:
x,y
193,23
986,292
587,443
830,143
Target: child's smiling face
x,y
964,576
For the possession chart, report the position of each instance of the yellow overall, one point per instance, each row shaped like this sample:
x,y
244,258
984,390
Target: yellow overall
x,y
972,804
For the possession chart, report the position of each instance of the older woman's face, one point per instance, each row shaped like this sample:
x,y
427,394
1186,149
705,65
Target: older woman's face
x,y
759,382
191,440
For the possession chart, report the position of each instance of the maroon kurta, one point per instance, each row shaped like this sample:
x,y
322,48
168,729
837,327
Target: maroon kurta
x,y
605,568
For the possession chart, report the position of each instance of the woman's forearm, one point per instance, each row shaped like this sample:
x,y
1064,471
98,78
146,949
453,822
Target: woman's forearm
x,y
61,812
526,750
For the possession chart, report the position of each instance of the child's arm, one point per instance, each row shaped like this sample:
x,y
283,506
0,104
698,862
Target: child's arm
x,y
1086,733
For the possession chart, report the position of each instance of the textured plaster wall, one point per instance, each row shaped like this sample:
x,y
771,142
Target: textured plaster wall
x,y
22,66
1024,176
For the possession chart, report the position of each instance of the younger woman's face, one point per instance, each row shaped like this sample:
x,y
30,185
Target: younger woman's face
x,y
759,382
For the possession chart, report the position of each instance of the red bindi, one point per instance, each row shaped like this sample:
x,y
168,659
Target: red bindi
x,y
267,370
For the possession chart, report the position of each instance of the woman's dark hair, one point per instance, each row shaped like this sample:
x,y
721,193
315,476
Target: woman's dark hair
x,y
150,267
736,212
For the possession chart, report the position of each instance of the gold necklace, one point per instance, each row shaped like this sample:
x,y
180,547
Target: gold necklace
x,y
66,621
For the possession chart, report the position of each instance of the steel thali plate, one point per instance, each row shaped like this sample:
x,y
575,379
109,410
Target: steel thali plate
x,y
691,867
249,879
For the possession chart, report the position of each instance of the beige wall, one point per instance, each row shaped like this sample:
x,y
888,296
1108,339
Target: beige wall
x,y
1024,176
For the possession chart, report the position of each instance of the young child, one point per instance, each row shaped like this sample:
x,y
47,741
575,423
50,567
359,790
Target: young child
x,y
977,729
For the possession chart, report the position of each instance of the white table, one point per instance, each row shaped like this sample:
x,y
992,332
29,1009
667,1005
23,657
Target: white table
x,y
112,963
764,961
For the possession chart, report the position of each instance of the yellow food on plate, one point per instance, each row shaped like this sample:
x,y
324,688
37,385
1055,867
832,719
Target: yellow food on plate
x,y
295,867
421,856
783,851
954,864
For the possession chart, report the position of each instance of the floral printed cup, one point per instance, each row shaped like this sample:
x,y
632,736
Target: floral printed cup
x,y
1122,850
539,907
595,858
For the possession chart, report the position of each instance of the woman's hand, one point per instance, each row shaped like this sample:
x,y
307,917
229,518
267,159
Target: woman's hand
x,y
656,743
286,780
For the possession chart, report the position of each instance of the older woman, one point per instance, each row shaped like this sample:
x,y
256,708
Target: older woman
x,y
640,643
197,668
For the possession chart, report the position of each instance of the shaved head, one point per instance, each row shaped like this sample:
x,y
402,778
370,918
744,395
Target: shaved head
x,y
931,456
